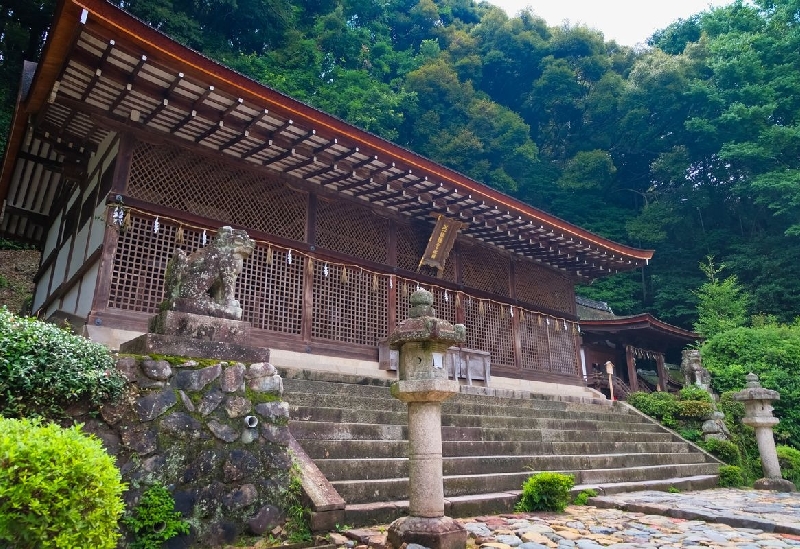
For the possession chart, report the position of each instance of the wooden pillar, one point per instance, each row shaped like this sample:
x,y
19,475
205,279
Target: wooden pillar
x,y
119,184
515,327
633,380
662,373
307,319
391,306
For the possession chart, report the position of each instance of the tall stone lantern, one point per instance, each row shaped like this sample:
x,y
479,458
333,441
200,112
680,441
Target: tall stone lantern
x,y
422,341
758,414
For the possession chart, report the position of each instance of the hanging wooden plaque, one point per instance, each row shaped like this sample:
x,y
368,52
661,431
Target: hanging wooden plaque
x,y
440,243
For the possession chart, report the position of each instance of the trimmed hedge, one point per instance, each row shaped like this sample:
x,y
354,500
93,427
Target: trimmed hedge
x,y
44,368
58,488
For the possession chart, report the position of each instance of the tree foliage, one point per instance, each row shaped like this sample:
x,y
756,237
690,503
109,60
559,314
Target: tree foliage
x,y
722,304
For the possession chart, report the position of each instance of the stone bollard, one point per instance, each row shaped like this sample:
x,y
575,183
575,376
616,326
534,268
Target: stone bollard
x,y
422,341
758,414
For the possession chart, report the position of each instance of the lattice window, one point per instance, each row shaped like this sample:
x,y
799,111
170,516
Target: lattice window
x,y
211,188
411,242
485,269
350,308
563,348
353,230
271,295
489,328
548,345
271,292
544,287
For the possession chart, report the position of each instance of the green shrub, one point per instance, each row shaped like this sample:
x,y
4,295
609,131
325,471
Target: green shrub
x,y
155,520
690,434
723,450
660,406
696,409
545,492
58,488
789,460
730,476
693,392
44,368
773,353
583,497
298,515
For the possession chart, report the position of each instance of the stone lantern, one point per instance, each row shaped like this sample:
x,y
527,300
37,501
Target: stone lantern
x,y
422,341
758,414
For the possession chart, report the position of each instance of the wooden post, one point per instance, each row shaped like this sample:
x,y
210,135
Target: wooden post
x,y
662,373
119,183
633,380
307,320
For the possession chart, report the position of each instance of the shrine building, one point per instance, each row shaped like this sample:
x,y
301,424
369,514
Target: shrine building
x,y
126,145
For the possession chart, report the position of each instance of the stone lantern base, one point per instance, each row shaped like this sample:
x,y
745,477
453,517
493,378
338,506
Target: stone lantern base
x,y
777,484
436,533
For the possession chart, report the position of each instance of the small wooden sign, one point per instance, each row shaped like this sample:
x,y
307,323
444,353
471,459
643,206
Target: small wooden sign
x,y
440,243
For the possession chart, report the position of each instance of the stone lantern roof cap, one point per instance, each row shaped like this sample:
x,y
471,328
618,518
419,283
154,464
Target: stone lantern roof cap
x,y
422,324
754,391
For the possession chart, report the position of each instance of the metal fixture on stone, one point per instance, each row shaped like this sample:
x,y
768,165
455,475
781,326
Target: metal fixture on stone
x,y
758,414
422,341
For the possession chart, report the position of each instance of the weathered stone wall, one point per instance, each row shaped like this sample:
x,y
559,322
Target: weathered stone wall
x,y
185,425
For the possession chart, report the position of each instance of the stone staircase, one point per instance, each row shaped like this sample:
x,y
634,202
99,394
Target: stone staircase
x,y
356,435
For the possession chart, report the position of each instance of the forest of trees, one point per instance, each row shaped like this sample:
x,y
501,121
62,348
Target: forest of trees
x,y
690,146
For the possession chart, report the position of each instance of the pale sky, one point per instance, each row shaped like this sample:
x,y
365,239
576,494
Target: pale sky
x,y
629,22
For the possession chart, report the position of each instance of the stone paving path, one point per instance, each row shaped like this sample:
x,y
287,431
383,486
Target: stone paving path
x,y
651,521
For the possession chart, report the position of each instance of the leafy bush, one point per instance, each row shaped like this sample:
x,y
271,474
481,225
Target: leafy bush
x,y
789,460
155,520
692,435
43,367
545,492
298,523
696,409
583,497
724,450
693,392
772,352
58,488
660,406
730,476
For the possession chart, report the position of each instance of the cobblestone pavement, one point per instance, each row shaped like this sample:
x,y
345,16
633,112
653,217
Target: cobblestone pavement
x,y
746,519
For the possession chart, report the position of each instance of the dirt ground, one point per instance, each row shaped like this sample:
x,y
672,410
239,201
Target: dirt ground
x,y
17,268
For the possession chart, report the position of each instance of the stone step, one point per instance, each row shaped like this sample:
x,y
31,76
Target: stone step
x,y
387,468
363,514
321,449
394,489
475,416
304,393
616,432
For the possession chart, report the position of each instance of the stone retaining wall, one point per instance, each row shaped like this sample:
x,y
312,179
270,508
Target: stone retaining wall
x,y
214,433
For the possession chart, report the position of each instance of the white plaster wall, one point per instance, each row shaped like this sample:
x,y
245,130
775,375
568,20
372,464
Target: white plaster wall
x,y
98,228
109,143
84,305
40,293
70,300
60,267
50,242
79,254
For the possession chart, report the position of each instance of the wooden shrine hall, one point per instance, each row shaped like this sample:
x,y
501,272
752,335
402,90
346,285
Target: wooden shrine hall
x,y
126,144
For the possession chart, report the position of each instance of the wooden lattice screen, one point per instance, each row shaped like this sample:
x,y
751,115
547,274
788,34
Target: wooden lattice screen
x,y
411,242
548,345
353,230
544,287
349,304
490,329
484,268
211,188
